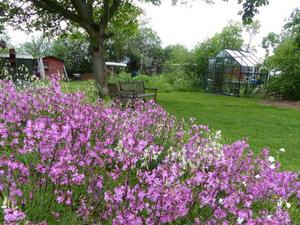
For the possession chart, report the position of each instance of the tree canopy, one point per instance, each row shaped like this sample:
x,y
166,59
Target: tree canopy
x,y
252,30
94,16
270,42
286,59
37,47
229,38
73,48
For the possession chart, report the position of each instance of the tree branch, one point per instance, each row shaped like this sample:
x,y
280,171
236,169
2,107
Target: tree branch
x,y
54,7
114,8
105,15
83,9
109,12
90,7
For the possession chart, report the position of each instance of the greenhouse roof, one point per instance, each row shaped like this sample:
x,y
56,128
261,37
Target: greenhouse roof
x,y
242,57
116,64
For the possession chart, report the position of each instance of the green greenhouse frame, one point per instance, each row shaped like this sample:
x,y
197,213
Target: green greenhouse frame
x,y
233,72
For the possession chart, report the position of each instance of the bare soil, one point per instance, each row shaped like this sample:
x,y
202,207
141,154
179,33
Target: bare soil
x,y
282,103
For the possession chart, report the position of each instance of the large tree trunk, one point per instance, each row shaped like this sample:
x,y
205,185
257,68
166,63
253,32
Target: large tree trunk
x,y
99,70
99,67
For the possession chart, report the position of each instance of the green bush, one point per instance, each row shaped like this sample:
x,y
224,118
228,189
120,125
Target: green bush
x,y
287,86
162,82
88,88
119,77
165,82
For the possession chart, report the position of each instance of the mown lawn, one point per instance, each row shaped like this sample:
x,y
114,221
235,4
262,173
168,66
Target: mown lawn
x,y
263,126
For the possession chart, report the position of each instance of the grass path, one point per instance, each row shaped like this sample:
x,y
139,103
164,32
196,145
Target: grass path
x,y
262,125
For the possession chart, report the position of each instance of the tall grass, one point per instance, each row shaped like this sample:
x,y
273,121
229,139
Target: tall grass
x,y
165,82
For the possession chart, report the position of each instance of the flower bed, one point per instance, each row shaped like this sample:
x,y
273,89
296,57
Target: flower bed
x,y
64,160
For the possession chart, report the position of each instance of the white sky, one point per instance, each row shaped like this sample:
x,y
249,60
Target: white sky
x,y
191,24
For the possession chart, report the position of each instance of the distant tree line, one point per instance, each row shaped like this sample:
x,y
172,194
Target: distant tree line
x,y
140,47
100,19
285,60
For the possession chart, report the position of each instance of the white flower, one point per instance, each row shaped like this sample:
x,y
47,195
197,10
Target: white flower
x,y
288,205
218,134
282,150
240,220
279,203
271,159
272,166
220,201
4,203
257,176
269,216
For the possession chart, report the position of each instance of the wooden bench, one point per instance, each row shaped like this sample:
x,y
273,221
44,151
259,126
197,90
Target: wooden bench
x,y
131,90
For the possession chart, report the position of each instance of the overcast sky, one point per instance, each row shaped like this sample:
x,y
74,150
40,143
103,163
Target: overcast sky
x,y
191,24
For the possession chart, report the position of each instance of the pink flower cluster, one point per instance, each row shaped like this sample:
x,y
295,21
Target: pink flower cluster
x,y
134,165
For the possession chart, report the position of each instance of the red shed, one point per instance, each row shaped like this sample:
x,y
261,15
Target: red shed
x,y
53,65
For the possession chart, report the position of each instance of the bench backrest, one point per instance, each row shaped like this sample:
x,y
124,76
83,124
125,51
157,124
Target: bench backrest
x,y
114,90
136,86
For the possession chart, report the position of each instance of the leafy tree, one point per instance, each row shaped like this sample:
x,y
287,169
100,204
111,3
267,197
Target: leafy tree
x,y
252,30
1,28
4,40
176,54
286,60
145,47
177,58
229,38
94,16
123,29
37,47
179,67
2,13
292,27
270,42
3,37
73,48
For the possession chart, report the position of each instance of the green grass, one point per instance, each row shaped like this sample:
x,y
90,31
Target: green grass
x,y
262,125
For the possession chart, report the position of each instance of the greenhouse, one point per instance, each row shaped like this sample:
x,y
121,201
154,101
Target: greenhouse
x,y
234,72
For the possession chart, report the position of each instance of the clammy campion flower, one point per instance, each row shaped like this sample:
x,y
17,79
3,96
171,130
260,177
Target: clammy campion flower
x,y
105,164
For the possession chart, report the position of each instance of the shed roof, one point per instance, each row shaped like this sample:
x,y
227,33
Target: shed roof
x,y
115,64
53,57
242,57
17,56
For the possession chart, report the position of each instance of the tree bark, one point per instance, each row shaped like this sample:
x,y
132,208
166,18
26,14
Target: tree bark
x,y
99,66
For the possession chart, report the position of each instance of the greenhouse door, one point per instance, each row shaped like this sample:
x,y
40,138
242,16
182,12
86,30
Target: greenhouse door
x,y
218,79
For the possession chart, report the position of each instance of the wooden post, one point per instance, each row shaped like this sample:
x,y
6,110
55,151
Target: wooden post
x,y
41,68
66,74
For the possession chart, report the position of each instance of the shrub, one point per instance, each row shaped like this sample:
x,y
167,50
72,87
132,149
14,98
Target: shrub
x,y
120,77
165,82
161,82
286,59
287,86
88,88
66,161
